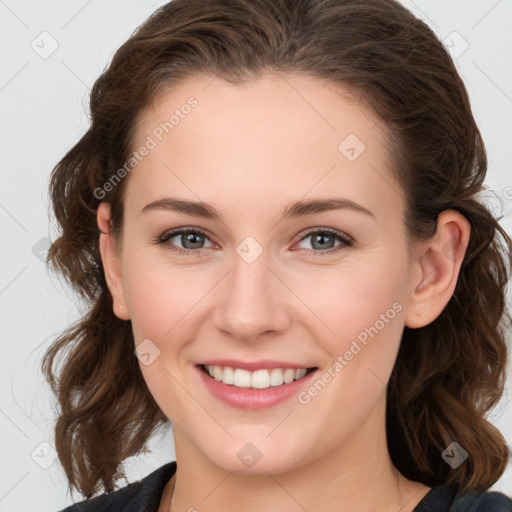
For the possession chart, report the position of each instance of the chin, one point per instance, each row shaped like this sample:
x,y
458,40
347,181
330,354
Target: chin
x,y
257,457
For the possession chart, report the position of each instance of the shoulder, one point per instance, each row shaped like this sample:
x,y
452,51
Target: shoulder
x,y
143,493
481,502
443,499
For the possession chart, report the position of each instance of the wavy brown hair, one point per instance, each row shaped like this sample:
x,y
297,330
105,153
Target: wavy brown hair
x,y
448,374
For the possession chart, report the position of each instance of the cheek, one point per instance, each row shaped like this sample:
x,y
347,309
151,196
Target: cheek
x,y
361,327
353,297
358,322
164,303
162,298
338,305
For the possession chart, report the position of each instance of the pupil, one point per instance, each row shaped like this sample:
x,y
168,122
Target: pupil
x,y
321,237
193,239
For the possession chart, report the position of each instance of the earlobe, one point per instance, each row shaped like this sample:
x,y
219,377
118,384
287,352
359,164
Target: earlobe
x,y
438,262
111,263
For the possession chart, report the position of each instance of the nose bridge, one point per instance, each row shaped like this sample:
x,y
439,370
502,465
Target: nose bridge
x,y
252,302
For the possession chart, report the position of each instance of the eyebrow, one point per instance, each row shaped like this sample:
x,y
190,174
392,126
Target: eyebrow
x,y
297,209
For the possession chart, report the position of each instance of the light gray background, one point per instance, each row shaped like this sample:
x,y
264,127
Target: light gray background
x,y
43,105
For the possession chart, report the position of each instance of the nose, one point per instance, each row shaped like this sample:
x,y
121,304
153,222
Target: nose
x,y
252,301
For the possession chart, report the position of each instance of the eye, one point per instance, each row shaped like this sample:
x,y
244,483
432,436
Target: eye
x,y
323,240
191,239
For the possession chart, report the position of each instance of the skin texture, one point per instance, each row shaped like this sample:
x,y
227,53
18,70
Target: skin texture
x,y
250,150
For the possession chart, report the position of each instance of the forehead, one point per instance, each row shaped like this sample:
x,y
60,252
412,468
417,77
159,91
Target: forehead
x,y
280,136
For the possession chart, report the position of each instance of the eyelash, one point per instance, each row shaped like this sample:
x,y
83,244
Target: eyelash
x,y
345,239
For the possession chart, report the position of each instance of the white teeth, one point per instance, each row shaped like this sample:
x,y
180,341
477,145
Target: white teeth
x,y
276,377
228,376
289,375
300,373
241,379
217,373
259,379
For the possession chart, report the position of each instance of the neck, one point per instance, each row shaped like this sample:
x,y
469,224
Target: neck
x,y
357,476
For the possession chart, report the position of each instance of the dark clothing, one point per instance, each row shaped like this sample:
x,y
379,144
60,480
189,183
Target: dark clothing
x,y
442,499
145,495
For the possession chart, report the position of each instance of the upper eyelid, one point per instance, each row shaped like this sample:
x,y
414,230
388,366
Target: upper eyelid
x,y
171,233
332,231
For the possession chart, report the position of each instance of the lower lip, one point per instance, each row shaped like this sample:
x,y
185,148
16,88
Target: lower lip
x,y
250,398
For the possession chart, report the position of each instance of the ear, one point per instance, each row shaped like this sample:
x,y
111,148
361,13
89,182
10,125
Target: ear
x,y
111,260
438,262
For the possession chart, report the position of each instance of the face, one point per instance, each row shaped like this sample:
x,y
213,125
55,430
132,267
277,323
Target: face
x,y
259,285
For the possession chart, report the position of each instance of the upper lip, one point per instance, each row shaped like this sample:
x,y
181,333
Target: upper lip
x,y
254,365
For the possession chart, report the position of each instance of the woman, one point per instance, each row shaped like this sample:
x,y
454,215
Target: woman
x,y
275,210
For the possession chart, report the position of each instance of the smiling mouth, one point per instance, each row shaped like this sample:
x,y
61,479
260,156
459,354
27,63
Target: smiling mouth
x,y
259,379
